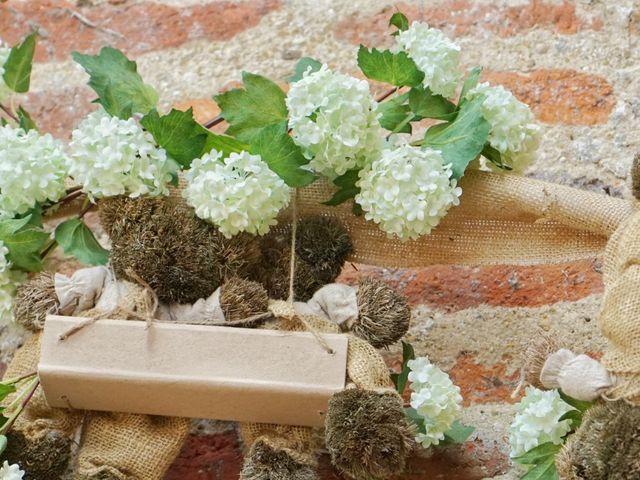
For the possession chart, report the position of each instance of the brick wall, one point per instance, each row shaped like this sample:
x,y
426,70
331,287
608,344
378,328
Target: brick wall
x,y
575,62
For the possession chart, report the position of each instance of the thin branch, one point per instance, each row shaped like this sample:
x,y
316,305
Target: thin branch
x,y
9,113
213,122
85,21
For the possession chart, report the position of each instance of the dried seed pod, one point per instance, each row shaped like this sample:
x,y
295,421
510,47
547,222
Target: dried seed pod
x,y
538,349
240,298
384,315
44,458
276,278
367,434
606,446
324,244
266,462
179,255
34,300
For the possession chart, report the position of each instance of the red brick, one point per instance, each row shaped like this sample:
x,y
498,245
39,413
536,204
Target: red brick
x,y
560,95
479,384
130,26
465,17
453,287
209,457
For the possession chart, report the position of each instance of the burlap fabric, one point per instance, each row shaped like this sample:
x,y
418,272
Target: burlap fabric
x,y
129,446
38,418
366,369
620,312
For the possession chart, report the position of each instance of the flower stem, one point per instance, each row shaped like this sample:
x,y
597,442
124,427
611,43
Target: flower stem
x,y
19,379
9,113
23,398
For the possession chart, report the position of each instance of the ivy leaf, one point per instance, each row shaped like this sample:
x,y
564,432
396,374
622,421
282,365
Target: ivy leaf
x,y
542,471
394,114
425,104
301,67
580,405
407,354
461,140
77,239
178,133
470,82
117,82
17,68
346,188
458,433
539,454
400,21
248,110
283,156
6,390
394,68
25,121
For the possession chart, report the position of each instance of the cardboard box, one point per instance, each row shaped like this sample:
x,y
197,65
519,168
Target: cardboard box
x,y
191,371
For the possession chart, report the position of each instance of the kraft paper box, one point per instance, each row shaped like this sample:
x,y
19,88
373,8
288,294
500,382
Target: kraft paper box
x,y
191,371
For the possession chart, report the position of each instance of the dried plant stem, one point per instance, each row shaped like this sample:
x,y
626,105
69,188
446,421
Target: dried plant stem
x,y
9,113
22,400
19,379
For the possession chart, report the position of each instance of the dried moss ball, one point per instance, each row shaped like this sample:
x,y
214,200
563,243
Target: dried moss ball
x,y
240,299
179,255
607,444
267,463
276,279
367,434
325,244
34,300
538,349
384,315
635,176
44,458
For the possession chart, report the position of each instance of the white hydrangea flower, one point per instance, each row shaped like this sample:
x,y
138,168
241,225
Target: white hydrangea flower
x,y
11,334
110,156
333,118
10,472
536,421
436,56
238,194
4,262
514,132
4,56
407,191
32,169
434,397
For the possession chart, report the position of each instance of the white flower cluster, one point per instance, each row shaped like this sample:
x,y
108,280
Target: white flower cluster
x,y
536,420
513,130
11,334
110,156
32,169
237,194
4,56
333,118
4,262
434,397
435,55
10,472
407,191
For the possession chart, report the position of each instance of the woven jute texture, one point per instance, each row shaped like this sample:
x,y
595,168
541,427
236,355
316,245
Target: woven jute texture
x,y
501,219
620,312
38,418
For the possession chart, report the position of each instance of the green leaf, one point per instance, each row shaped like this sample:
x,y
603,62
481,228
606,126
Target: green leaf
x,y
414,417
77,239
462,140
407,354
394,68
178,133
538,454
283,156
495,157
458,433
574,417
3,444
302,66
25,246
346,188
470,82
223,143
399,20
17,68
34,216
580,405
25,121
425,104
394,114
542,471
11,226
6,390
260,104
117,82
